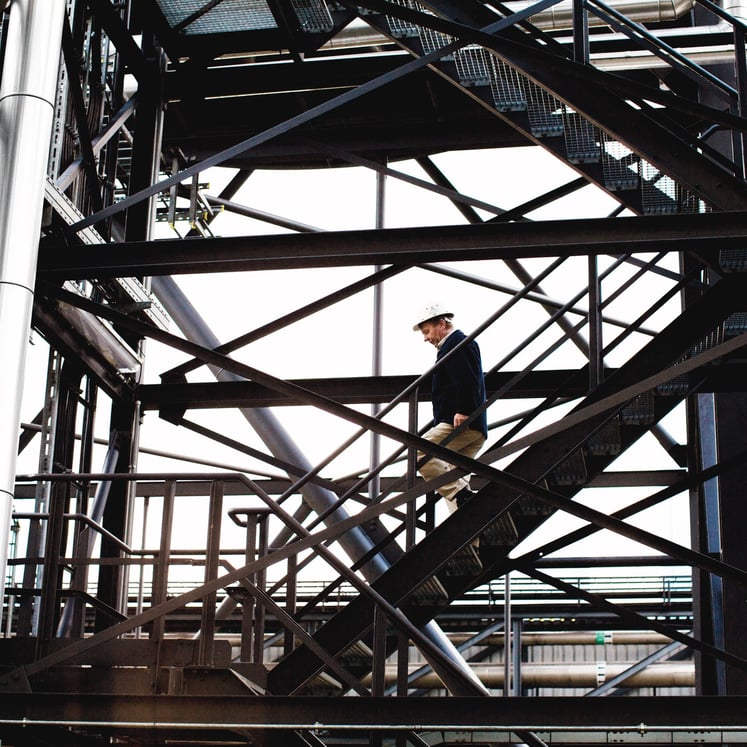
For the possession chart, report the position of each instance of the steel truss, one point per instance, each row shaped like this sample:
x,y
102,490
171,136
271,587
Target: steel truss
x,y
103,641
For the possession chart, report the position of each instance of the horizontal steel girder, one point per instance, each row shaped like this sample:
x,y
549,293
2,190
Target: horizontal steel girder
x,y
163,712
704,233
351,390
728,377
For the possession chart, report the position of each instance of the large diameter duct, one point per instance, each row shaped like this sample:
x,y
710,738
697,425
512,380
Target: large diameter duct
x,y
573,674
355,542
560,15
27,96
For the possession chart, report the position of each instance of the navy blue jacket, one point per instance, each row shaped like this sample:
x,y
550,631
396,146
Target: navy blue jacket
x,y
459,385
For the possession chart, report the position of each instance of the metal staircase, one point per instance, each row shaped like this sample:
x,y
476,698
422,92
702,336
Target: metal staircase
x,y
590,119
564,463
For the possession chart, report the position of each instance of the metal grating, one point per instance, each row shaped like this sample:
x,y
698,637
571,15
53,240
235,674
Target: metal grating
x,y
357,654
571,471
313,16
659,191
528,505
429,593
432,40
465,562
226,17
709,341
544,110
399,28
582,138
501,533
619,165
506,85
733,260
735,324
473,66
677,386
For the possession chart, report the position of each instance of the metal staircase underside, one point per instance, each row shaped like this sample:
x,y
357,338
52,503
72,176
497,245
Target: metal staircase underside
x,y
512,494
595,121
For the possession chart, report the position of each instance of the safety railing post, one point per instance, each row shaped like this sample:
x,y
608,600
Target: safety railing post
x,y
212,559
580,32
261,583
248,602
378,665
159,590
595,325
290,600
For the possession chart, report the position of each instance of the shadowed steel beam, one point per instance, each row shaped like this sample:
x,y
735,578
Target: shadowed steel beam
x,y
359,390
302,118
154,712
705,233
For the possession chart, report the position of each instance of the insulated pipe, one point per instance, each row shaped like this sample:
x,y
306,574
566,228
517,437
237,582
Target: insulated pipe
x,y
586,675
560,16
27,102
355,542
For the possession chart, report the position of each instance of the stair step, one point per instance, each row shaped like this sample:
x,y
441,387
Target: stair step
x,y
639,411
473,66
507,87
606,441
572,470
501,533
466,562
544,110
582,139
356,655
430,593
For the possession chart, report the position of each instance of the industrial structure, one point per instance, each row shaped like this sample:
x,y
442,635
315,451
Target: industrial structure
x,y
280,574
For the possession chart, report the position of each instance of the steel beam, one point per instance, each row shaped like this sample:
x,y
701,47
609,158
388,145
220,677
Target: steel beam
x,y
352,390
165,713
703,233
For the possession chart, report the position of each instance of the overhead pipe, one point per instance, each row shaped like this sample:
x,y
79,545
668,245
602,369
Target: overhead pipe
x,y
560,18
585,675
27,105
355,542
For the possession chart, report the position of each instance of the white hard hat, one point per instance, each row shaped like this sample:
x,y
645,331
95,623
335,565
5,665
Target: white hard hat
x,y
431,311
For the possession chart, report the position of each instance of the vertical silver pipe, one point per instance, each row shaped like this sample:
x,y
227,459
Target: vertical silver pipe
x,y
27,95
507,631
378,308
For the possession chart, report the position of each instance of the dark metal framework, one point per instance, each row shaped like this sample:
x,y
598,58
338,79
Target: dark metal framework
x,y
103,642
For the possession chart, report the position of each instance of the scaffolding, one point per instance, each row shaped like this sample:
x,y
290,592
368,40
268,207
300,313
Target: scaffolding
x,y
214,288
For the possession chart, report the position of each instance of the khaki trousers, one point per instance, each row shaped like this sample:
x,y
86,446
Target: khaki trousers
x,y
467,442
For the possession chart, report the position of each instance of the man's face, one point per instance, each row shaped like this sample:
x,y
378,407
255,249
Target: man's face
x,y
434,331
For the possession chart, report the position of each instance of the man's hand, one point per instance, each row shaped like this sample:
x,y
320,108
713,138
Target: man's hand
x,y
459,419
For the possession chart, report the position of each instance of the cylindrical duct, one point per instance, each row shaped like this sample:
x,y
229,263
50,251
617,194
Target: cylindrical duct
x,y
27,95
586,675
